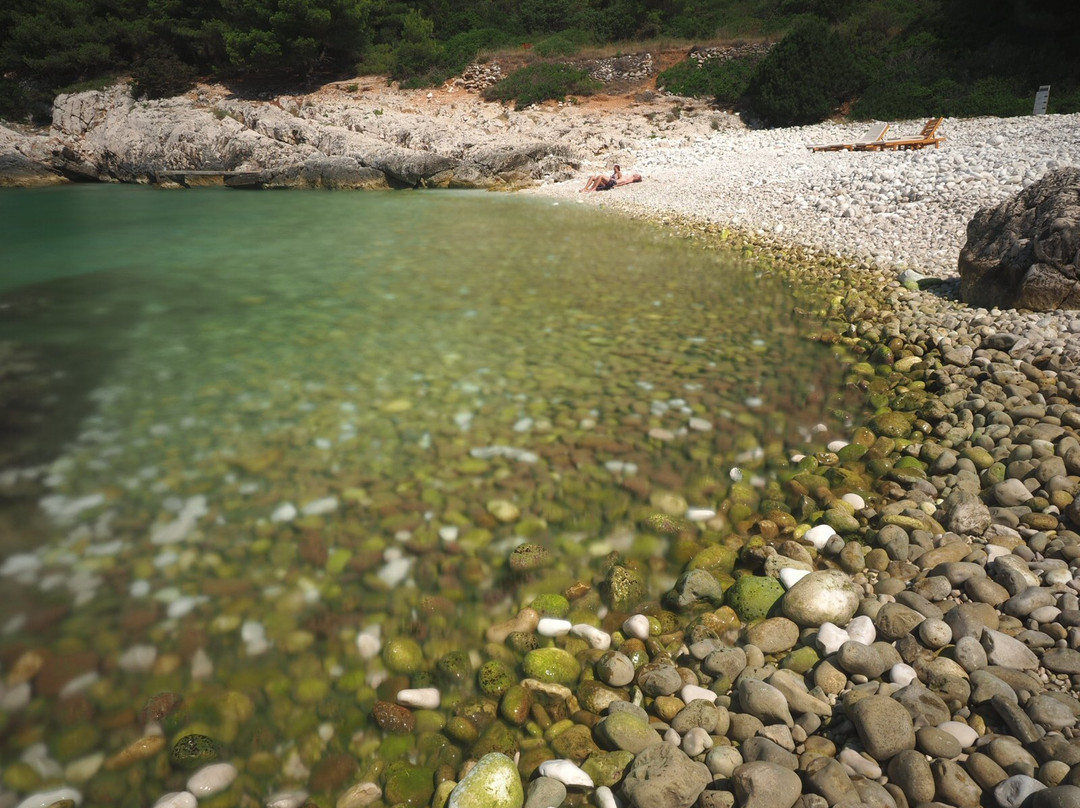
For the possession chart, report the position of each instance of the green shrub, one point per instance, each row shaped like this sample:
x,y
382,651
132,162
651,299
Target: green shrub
x,y
544,81
160,74
565,43
462,49
726,81
806,77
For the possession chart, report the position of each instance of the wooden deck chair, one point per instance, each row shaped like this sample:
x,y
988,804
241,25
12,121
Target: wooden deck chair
x,y
927,137
872,136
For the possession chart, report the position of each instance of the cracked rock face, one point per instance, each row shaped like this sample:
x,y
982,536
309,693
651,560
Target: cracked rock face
x,y
1025,253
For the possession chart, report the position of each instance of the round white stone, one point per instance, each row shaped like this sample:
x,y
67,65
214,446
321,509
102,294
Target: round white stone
x,y
423,698
819,535
595,637
212,779
566,772
789,576
691,692
861,629
962,732
43,799
553,627
854,500
700,514
636,625
285,512
287,799
605,798
902,674
177,799
830,637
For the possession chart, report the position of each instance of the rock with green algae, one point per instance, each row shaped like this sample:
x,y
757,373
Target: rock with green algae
x,y
552,665
752,596
493,782
193,751
607,768
625,587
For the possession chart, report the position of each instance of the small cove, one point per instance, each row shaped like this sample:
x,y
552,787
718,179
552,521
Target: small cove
x,y
261,425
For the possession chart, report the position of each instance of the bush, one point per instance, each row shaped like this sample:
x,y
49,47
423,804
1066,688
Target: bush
x,y
726,81
806,77
565,43
462,49
160,74
542,82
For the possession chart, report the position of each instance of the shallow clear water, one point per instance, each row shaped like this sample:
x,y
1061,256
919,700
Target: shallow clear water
x,y
240,429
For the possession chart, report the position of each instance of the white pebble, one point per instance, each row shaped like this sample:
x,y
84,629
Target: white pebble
x,y
137,659
183,605
672,737
81,770
368,642
789,576
285,512
691,692
605,798
14,698
696,741
861,629
43,799
553,627
830,637
423,698
202,667
700,425
212,779
320,507
595,637
902,674
287,799
962,732
700,514
177,799
836,445
854,500
566,772
819,535
636,625
858,765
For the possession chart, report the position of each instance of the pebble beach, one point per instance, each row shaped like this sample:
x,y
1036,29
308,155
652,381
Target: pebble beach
x,y
890,618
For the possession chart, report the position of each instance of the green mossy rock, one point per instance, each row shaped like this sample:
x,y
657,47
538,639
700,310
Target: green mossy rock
x,y
716,559
607,768
752,596
409,785
402,655
552,665
494,678
892,424
493,782
551,605
625,587
193,751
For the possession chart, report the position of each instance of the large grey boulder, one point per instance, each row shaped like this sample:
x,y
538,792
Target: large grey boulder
x,y
663,775
1023,253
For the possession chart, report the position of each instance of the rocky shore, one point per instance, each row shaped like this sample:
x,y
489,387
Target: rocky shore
x,y
895,622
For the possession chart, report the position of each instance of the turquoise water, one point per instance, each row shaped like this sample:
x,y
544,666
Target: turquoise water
x,y
242,430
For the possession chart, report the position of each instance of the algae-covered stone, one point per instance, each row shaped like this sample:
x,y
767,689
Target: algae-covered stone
x,y
529,557
627,732
608,768
841,521
891,424
454,668
493,782
402,655
409,785
552,665
575,743
494,678
193,751
550,605
717,558
625,587
801,659
752,596
516,704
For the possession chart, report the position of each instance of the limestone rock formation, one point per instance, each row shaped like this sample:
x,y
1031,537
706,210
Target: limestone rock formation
x,y
1025,253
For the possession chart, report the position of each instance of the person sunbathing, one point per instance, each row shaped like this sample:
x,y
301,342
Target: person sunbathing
x,y
599,182
616,180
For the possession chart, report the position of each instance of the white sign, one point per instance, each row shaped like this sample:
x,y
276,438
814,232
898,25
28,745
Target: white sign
x,y
1042,98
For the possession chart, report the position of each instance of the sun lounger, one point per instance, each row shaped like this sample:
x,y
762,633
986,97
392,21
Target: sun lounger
x,y
927,137
873,136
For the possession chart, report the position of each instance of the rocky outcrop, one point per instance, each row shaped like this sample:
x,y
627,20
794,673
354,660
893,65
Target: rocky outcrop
x,y
210,136
1025,253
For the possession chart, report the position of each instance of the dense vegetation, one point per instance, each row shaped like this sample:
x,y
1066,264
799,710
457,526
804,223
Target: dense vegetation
x,y
869,58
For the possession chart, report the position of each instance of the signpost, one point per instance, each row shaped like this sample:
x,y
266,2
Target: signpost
x,y
1042,98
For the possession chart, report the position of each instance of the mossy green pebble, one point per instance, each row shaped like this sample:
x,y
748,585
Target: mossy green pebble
x,y
454,668
529,557
607,768
625,588
752,596
552,665
409,785
516,704
402,655
551,605
494,678
493,782
193,751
